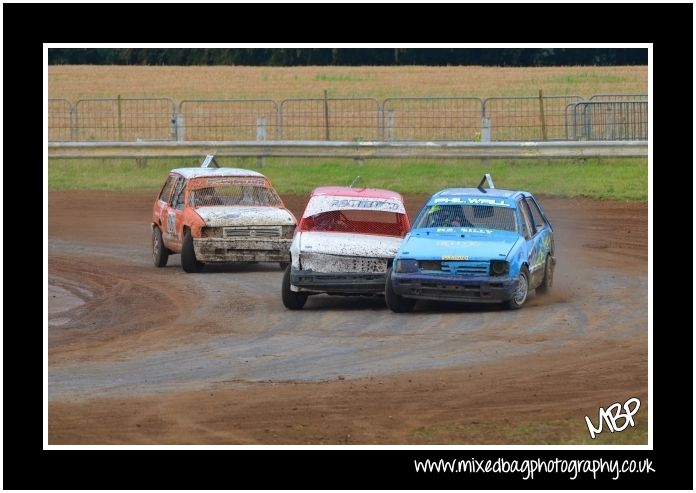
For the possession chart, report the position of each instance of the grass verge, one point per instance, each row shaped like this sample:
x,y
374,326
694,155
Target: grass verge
x,y
608,178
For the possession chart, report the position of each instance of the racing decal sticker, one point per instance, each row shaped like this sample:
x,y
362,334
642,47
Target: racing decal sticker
x,y
470,200
236,180
171,217
464,230
365,204
477,201
532,257
440,200
542,246
327,203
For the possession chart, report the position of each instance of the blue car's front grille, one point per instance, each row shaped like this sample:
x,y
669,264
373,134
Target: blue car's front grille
x,y
461,268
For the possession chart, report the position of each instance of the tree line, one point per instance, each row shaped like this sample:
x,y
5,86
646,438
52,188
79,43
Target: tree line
x,y
505,57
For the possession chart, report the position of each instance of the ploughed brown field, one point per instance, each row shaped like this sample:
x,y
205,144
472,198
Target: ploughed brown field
x,y
230,82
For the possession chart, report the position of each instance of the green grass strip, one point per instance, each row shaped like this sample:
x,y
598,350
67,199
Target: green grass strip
x,y
605,178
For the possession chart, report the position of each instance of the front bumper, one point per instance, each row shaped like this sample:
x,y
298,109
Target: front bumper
x,y
242,250
338,282
477,289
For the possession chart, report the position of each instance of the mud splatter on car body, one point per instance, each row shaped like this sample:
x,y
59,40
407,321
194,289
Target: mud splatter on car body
x,y
345,243
212,215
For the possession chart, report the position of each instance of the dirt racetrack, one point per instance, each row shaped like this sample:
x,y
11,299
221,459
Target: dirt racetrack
x,y
145,355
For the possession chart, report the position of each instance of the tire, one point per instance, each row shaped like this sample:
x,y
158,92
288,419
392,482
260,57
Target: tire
x,y
160,254
547,281
283,265
395,302
188,256
520,294
291,299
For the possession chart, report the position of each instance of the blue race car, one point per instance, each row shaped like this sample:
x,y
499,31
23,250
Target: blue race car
x,y
479,245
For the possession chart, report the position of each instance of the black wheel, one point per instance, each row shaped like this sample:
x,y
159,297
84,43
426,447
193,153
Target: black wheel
x,y
283,265
520,294
291,299
160,254
188,255
547,282
395,302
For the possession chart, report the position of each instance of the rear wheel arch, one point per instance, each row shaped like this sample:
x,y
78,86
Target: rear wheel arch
x,y
547,280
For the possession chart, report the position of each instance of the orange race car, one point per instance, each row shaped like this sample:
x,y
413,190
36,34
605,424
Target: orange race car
x,y
220,215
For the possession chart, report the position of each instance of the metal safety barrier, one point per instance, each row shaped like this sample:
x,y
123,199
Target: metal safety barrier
x,y
349,149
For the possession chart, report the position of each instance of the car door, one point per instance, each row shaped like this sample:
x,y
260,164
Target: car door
x,y
173,223
528,233
159,212
542,240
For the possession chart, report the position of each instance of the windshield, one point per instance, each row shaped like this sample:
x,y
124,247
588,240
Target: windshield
x,y
358,221
230,195
467,216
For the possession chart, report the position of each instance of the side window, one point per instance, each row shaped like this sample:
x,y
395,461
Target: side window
x,y
536,214
167,188
528,229
178,196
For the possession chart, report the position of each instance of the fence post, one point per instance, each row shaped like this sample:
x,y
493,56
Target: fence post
x,y
609,134
180,127
541,114
261,135
73,124
261,128
587,123
326,113
390,125
174,127
118,99
485,129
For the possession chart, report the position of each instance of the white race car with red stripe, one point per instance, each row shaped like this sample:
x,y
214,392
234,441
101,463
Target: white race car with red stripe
x,y
344,244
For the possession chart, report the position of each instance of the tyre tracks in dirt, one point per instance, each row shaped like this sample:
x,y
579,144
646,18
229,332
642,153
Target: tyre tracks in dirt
x,y
121,329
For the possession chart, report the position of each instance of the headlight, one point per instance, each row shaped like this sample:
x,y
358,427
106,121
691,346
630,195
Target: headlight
x,y
499,267
288,231
406,265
